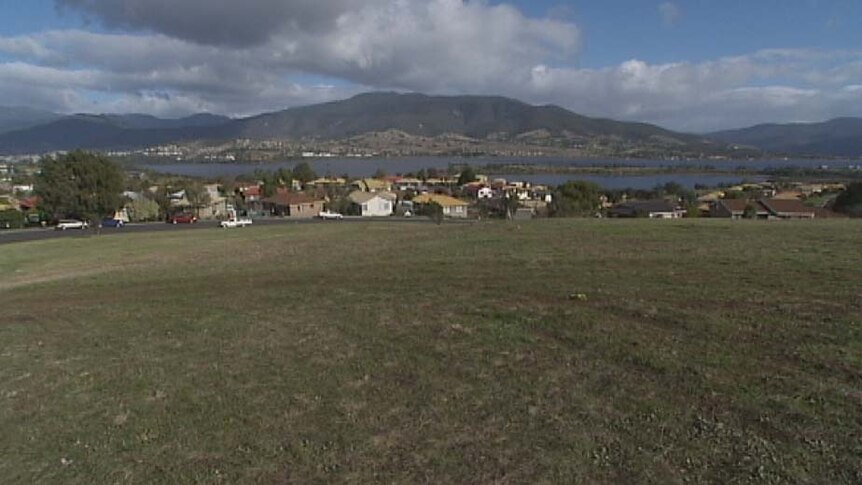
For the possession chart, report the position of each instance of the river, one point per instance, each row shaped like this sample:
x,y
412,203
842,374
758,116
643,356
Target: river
x,y
364,167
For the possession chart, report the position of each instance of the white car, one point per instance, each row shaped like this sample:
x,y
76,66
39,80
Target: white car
x,y
329,215
242,222
71,224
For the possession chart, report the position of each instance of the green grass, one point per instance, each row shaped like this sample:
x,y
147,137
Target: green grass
x,y
705,351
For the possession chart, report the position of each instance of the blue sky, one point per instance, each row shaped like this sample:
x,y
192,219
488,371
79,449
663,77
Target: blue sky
x,y
695,65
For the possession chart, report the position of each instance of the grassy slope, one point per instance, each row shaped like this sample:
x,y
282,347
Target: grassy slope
x,y
706,351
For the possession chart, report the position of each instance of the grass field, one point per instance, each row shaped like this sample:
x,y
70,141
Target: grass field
x,y
698,351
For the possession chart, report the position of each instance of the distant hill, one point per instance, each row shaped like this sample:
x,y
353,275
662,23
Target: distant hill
x,y
148,122
106,132
416,114
14,118
841,137
477,117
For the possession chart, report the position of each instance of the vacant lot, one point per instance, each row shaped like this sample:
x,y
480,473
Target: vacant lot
x,y
551,351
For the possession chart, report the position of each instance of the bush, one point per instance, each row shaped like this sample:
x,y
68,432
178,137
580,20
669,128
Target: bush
x,y
850,201
12,219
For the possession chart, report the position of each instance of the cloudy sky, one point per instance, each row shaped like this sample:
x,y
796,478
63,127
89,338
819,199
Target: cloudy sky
x,y
693,65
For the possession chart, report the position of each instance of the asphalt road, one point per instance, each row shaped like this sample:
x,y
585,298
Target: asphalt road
x,y
24,235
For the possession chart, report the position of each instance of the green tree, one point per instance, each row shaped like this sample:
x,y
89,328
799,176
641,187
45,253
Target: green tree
x,y
12,219
198,196
850,201
750,212
467,176
379,174
80,184
510,205
144,210
576,198
435,212
304,173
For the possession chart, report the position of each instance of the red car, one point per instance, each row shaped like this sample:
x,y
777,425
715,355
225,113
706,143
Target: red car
x,y
182,219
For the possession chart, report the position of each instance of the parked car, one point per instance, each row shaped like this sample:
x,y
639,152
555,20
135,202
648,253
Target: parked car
x,y
182,219
117,223
329,215
237,222
71,224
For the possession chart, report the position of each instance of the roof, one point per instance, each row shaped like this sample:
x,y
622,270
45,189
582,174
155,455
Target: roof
x,y
443,200
253,191
373,184
291,198
361,197
738,205
647,206
29,202
781,207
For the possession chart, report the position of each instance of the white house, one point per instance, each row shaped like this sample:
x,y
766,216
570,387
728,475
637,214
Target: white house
x,y
374,204
485,193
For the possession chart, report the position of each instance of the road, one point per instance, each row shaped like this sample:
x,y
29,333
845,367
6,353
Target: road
x,y
25,235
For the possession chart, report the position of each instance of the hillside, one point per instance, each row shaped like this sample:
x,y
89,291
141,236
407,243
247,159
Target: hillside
x,y
104,132
20,118
700,352
416,114
492,119
841,137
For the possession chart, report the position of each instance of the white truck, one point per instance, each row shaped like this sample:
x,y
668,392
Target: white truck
x,y
235,220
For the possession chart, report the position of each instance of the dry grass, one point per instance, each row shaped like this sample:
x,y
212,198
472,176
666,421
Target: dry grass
x,y
703,351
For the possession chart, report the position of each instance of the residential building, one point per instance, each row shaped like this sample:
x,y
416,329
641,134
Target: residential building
x,y
762,209
293,204
452,207
372,185
374,204
653,209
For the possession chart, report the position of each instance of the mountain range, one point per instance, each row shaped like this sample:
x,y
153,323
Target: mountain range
x,y
841,137
483,118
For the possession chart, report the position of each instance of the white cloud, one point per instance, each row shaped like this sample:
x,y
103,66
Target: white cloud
x,y
167,67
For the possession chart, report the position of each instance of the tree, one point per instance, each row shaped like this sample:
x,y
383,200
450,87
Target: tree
x,y
510,205
12,219
435,212
467,176
850,201
379,174
81,185
750,212
143,210
198,196
304,173
576,198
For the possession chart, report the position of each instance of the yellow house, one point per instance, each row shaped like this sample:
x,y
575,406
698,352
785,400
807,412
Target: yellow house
x,y
452,207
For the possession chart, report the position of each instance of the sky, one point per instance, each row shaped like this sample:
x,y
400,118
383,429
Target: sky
x,y
689,65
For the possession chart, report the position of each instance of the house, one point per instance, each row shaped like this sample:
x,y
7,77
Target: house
x,y
478,190
372,185
217,205
328,182
735,209
251,197
788,209
762,209
293,204
485,193
653,209
374,204
452,207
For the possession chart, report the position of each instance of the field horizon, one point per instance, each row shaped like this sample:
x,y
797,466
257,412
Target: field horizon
x,y
547,351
